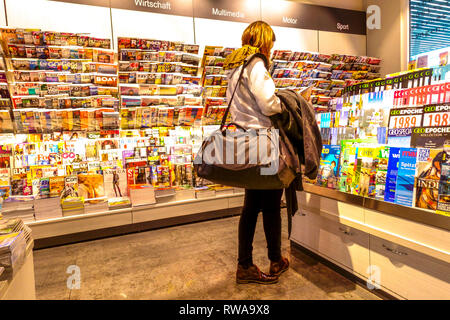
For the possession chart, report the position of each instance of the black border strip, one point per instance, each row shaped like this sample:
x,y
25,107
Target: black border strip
x,y
133,228
296,248
412,214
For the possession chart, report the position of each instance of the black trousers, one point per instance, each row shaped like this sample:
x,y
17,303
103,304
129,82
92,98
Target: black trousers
x,y
269,202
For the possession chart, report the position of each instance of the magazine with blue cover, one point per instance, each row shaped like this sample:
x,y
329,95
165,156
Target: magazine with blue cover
x,y
329,162
400,137
391,176
406,176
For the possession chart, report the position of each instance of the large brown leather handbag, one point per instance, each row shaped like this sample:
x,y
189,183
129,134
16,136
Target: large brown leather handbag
x,y
250,159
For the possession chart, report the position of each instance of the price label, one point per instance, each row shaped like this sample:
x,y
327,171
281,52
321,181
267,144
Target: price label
x,y
437,119
405,121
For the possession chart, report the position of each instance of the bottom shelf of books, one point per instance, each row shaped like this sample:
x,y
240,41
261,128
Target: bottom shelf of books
x,y
87,180
171,206
16,261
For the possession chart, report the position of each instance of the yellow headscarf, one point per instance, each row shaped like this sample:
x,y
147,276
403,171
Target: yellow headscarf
x,y
238,56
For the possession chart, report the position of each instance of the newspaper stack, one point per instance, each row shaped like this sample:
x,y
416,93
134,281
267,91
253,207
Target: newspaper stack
x,y
119,203
14,238
204,192
15,225
164,195
222,190
19,207
47,208
72,206
93,207
142,194
185,194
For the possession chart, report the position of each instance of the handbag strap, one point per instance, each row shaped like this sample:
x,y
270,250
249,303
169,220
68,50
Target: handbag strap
x,y
246,63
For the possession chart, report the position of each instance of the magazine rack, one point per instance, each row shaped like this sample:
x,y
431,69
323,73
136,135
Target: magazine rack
x,y
22,285
384,246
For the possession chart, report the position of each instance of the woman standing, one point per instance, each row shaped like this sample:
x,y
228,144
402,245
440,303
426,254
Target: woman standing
x,y
253,102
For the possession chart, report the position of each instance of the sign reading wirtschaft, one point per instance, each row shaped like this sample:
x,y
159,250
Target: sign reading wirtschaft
x,y
173,7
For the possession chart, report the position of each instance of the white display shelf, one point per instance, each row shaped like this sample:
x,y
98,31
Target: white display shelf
x,y
353,237
77,217
128,216
22,285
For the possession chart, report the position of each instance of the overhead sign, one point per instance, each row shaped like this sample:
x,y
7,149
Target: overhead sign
x,y
276,13
306,16
290,14
342,20
173,7
100,3
228,10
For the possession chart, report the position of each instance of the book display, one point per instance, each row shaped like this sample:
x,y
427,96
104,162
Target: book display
x,y
92,130
328,74
215,84
159,85
60,81
6,123
64,101
15,236
393,136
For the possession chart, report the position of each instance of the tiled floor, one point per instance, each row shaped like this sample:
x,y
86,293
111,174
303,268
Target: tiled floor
x,y
195,261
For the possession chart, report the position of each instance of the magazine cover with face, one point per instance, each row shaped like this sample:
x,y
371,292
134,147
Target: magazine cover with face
x,y
90,187
329,166
443,205
429,171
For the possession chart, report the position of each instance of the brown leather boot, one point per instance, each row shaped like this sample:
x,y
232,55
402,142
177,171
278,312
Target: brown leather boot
x,y
277,268
253,275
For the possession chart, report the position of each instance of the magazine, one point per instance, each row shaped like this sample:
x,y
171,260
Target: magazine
x,y
430,137
406,175
4,177
429,165
380,179
329,164
346,166
115,182
369,163
90,187
391,175
70,187
443,204
56,185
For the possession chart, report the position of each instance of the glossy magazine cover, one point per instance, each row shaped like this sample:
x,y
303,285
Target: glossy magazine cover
x,y
391,175
406,175
443,205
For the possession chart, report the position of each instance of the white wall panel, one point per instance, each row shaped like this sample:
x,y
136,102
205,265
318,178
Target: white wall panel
x,y
295,39
344,4
228,34
59,16
218,33
2,14
341,43
128,23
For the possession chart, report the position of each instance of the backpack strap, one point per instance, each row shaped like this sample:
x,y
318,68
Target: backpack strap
x,y
246,63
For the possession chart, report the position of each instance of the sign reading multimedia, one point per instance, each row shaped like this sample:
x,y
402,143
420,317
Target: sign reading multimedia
x,y
229,10
276,13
